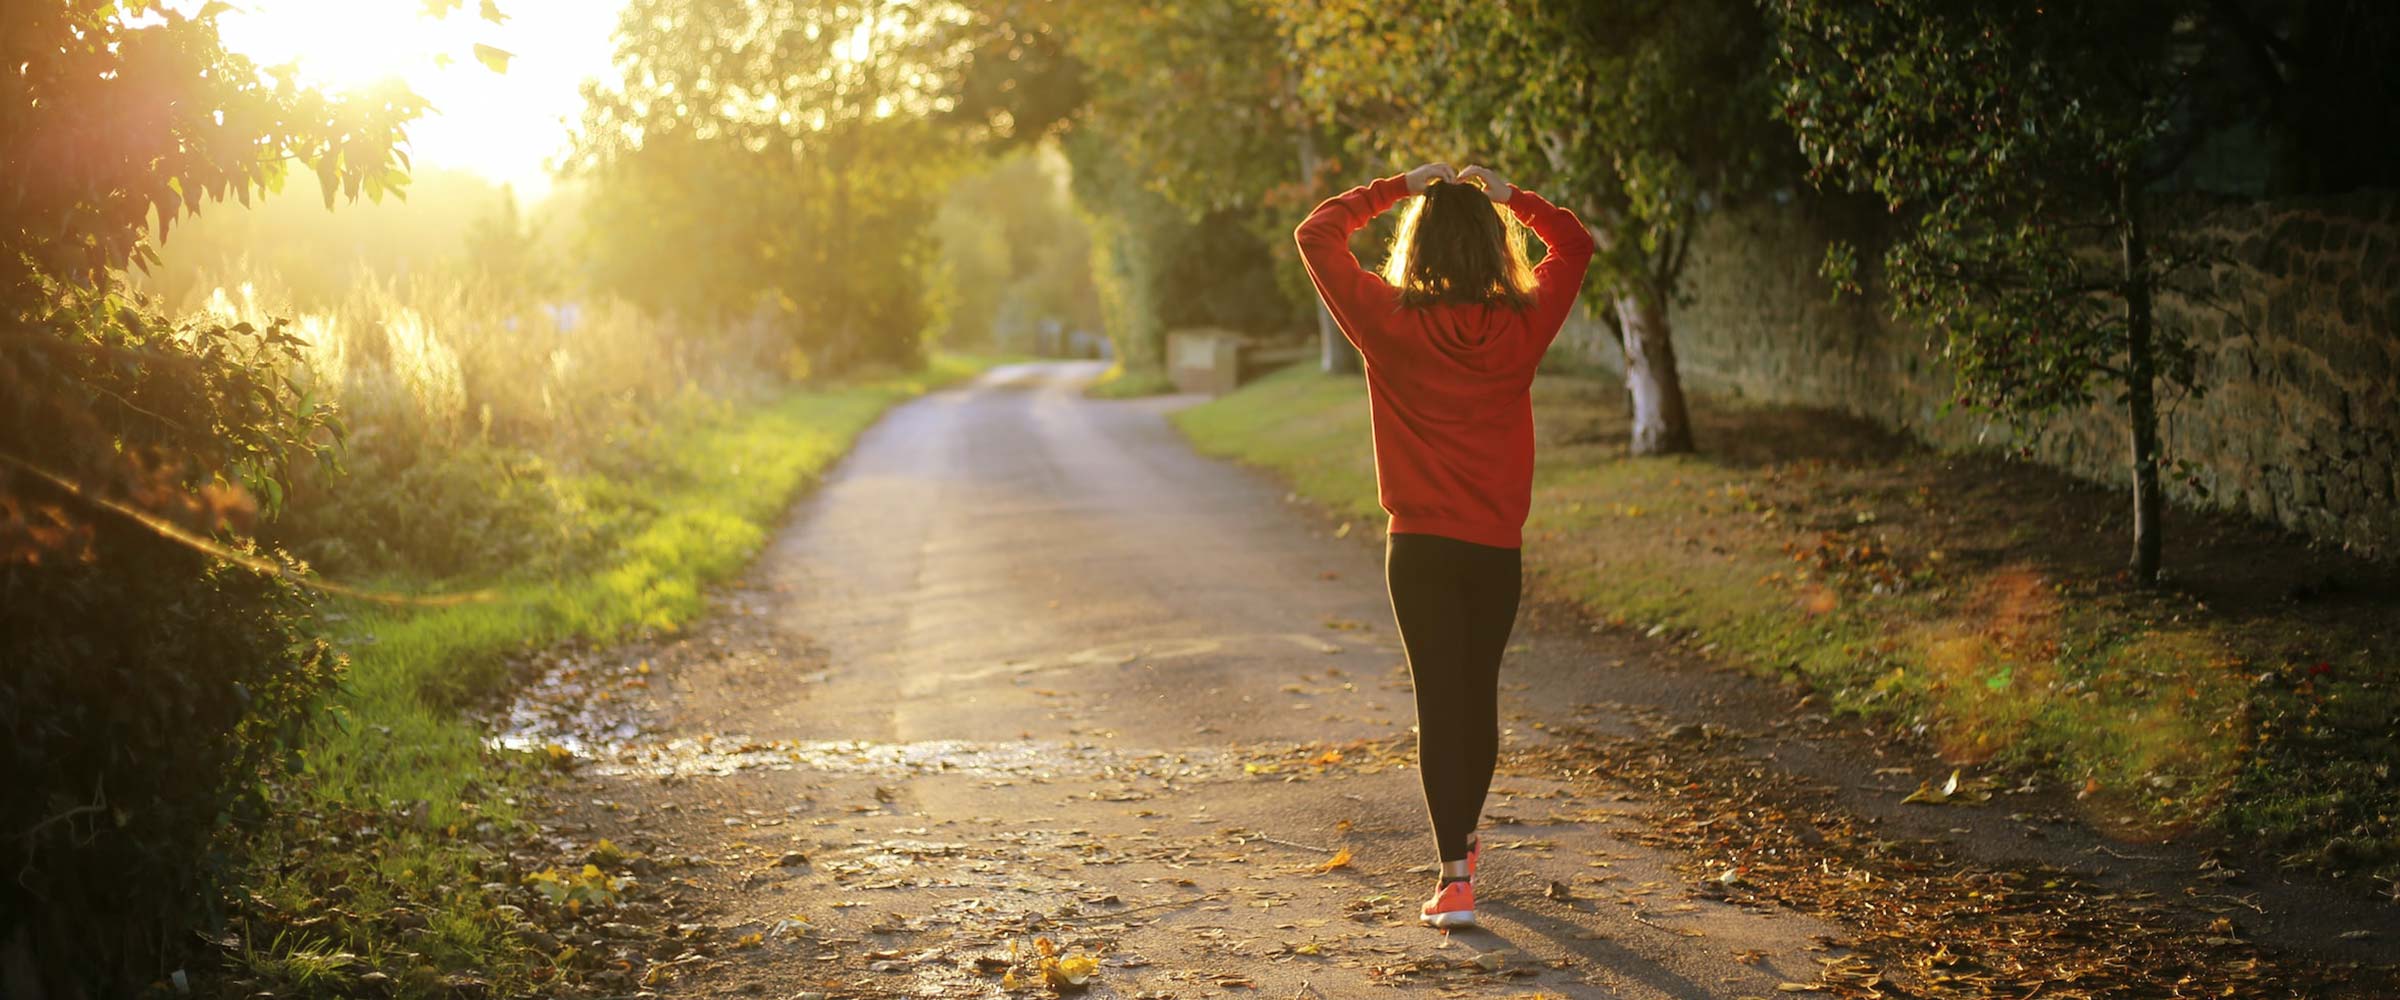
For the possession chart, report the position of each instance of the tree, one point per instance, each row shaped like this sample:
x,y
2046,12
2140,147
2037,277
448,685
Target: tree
x,y
1259,163
1014,253
1189,224
2022,142
156,659
1158,268
112,127
782,156
1638,114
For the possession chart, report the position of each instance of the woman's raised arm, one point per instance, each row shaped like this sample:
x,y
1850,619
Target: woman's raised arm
x,y
1559,276
1324,237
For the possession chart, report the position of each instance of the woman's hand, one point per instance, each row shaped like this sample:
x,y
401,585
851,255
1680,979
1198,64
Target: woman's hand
x,y
1423,176
1495,186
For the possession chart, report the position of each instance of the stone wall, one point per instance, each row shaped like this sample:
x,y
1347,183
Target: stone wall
x,y
2300,423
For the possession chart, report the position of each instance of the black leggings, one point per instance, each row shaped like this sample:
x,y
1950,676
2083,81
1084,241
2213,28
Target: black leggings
x,y
1455,603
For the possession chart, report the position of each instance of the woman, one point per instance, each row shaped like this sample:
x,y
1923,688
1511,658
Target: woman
x,y
1451,333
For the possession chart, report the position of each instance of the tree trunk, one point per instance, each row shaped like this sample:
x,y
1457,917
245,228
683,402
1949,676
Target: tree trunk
x,y
1334,353
1661,425
2141,377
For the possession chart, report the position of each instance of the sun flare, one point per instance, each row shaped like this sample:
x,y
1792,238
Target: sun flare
x,y
504,126
342,46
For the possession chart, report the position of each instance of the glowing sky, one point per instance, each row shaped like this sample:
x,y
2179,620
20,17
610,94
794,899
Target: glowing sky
x,y
500,126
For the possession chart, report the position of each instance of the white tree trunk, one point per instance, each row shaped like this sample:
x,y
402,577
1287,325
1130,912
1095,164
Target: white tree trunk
x,y
1336,355
1661,425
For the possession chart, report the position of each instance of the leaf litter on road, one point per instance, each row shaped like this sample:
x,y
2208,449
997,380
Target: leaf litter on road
x,y
1928,921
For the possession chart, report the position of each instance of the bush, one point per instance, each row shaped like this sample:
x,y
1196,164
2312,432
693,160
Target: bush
x,y
149,680
146,689
413,509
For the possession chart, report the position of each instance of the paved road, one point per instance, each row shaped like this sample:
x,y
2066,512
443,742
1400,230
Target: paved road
x,y
1025,663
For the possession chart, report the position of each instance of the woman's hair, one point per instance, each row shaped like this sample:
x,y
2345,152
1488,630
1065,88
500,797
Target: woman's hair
x,y
1455,246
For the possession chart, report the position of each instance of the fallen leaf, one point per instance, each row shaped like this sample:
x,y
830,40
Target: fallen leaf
x,y
1072,972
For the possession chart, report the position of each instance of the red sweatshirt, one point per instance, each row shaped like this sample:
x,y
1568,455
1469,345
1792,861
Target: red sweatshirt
x,y
1449,386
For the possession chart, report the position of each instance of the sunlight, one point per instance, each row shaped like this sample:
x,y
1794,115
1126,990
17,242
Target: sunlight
x,y
346,45
505,127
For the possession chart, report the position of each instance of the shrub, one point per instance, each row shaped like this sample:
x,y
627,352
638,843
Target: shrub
x,y
156,660
412,508
145,691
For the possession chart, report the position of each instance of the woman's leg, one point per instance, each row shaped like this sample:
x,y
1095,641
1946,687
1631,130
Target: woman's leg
x,y
1456,736
1492,579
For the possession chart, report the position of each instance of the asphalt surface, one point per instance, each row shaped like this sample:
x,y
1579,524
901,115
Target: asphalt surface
x,y
1026,666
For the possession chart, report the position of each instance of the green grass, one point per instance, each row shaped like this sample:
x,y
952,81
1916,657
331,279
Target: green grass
x,y
1119,382
689,500
1971,603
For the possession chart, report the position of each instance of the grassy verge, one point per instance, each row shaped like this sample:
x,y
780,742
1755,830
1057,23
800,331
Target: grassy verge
x,y
401,815
1971,602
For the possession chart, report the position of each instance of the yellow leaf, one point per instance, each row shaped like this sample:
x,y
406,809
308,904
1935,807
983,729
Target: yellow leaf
x,y
494,59
1340,859
1069,972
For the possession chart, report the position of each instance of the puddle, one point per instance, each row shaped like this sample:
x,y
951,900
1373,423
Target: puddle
x,y
1026,759
595,710
578,706
577,709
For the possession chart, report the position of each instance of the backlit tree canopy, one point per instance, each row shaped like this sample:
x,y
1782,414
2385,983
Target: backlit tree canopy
x,y
779,157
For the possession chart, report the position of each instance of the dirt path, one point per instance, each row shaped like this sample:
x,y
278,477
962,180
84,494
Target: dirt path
x,y
1027,667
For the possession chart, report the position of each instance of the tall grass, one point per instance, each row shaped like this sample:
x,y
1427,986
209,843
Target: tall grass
x,y
455,359
469,408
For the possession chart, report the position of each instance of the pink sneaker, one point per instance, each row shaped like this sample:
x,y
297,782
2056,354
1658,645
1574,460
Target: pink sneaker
x,y
1453,905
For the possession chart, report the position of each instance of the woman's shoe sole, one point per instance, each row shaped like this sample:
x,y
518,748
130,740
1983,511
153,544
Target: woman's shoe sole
x,y
1454,918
